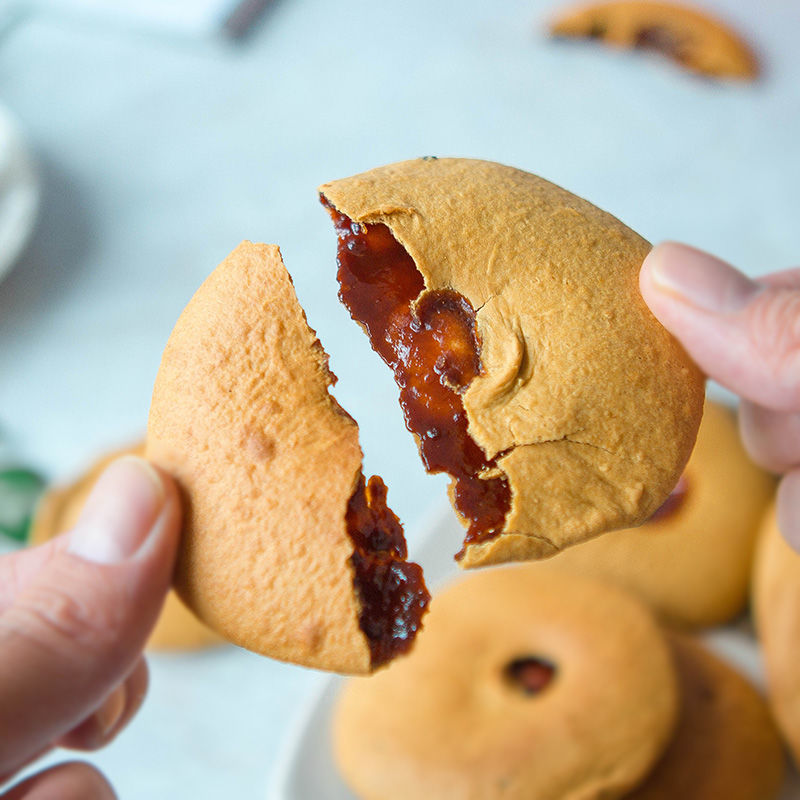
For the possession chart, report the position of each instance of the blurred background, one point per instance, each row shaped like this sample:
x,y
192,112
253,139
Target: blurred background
x,y
153,137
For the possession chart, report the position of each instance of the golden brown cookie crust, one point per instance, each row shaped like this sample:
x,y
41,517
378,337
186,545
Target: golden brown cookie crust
x,y
590,406
726,744
446,722
58,510
690,37
776,608
267,460
692,565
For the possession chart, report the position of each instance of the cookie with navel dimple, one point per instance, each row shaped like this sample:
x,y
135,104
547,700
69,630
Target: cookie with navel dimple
x,y
58,510
286,549
523,685
530,368
692,560
726,744
776,608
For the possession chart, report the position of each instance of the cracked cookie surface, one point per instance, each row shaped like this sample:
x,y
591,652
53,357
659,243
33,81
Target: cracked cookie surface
x,y
586,404
692,560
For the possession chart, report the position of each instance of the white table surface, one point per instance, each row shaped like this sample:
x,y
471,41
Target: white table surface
x,y
159,155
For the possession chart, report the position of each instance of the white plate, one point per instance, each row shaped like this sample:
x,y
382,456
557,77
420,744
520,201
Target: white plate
x,y
19,191
306,769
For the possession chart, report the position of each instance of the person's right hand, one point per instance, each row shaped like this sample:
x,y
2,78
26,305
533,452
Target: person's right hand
x,y
745,334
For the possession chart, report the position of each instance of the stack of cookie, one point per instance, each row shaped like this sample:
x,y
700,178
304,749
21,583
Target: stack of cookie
x,y
542,684
567,678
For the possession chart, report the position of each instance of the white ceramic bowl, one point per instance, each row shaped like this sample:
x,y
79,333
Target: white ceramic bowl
x,y
19,191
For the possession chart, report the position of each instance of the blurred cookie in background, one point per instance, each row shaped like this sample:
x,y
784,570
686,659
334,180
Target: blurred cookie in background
x,y
58,510
726,744
691,38
692,560
524,683
776,609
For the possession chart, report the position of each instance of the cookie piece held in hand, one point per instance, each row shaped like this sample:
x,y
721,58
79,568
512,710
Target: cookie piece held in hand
x,y
524,684
726,744
286,549
689,37
530,368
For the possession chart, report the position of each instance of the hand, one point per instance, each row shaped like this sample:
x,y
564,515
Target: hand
x,y
744,334
74,617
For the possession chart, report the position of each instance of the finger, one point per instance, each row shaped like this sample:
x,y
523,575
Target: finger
x,y
76,631
785,279
113,715
18,569
72,781
772,438
788,507
744,334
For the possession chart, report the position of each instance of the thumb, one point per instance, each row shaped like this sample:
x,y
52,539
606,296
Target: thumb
x,y
76,627
744,334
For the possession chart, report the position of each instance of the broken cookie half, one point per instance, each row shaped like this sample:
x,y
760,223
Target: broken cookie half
x,y
530,369
690,37
286,549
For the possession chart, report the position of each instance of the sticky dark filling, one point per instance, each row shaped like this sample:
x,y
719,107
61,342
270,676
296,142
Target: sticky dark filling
x,y
662,40
673,502
429,340
391,590
530,674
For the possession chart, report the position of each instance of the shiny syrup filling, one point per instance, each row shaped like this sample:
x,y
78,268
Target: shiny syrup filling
x,y
673,502
530,674
428,338
391,590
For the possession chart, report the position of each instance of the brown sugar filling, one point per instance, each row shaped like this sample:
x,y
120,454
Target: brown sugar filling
x,y
530,674
674,501
391,590
429,340
663,40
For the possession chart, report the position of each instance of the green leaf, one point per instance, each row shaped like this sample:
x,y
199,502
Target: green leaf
x,y
20,490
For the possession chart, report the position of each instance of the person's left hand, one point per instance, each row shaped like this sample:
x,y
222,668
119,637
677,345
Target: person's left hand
x,y
75,614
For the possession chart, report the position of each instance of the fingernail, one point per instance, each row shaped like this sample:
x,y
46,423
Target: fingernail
x,y
699,279
119,515
110,713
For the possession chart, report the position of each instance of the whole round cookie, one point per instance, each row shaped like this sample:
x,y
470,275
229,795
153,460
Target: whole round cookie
x,y
693,559
58,510
286,549
726,744
524,684
776,609
529,367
